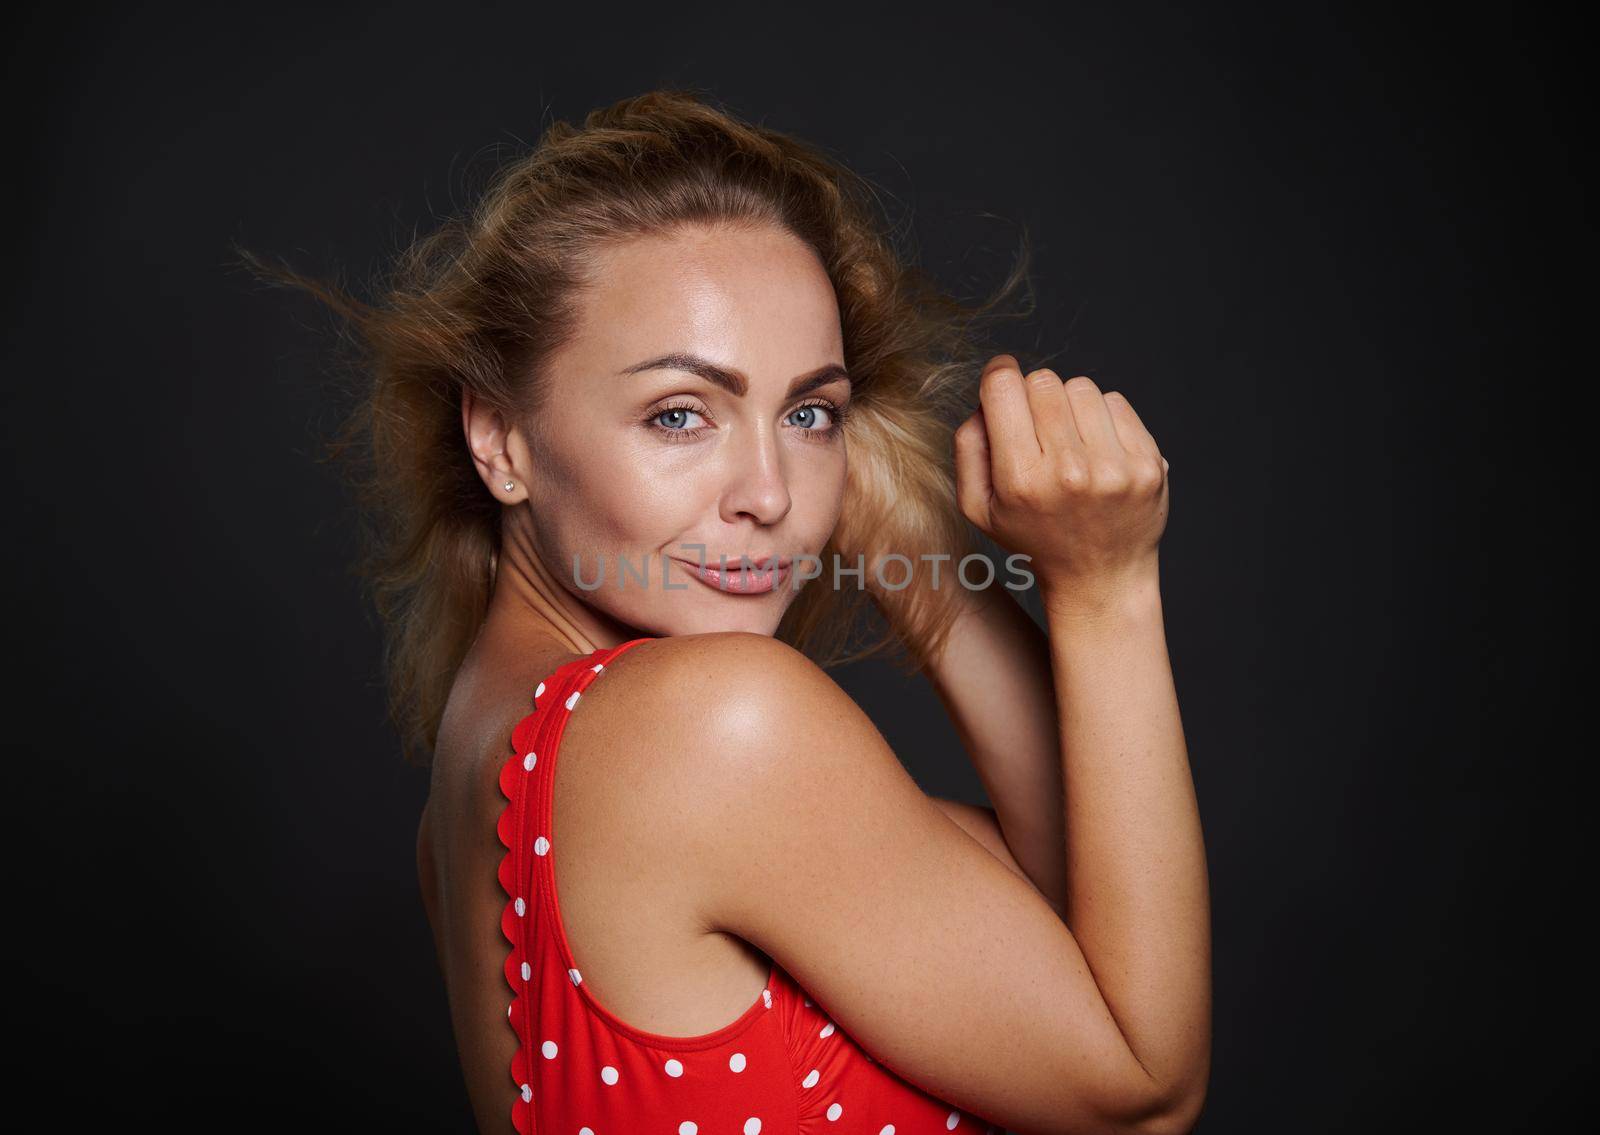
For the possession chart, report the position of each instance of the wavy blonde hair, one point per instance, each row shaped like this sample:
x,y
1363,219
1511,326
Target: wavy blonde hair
x,y
481,303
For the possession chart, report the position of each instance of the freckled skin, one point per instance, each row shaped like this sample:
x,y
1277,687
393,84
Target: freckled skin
x,y
605,485
733,794
597,473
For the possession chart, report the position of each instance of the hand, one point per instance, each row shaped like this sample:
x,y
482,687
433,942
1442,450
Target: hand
x,y
1063,474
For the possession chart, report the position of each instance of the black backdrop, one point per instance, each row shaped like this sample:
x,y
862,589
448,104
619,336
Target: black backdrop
x,y
1320,248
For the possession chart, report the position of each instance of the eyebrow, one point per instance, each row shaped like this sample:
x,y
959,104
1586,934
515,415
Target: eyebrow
x,y
731,380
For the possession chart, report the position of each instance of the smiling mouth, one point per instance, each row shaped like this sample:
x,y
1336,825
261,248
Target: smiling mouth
x,y
739,581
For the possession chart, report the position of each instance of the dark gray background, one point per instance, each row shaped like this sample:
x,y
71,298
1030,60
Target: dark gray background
x,y
1322,249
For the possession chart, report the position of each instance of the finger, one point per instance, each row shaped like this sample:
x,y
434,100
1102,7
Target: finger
x,y
1008,423
1135,438
973,486
1052,416
1089,411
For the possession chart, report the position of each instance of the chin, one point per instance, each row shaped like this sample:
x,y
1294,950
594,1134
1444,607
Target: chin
x,y
707,617
710,615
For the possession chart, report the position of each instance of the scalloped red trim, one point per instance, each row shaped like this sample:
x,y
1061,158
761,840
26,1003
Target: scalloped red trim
x,y
513,786
515,781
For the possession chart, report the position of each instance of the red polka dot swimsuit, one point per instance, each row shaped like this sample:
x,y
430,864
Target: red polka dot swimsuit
x,y
781,1068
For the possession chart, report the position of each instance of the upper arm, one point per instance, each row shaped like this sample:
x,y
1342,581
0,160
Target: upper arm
x,y
981,823
801,832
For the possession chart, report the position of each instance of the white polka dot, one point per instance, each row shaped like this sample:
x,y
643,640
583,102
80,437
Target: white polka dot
x,y
508,1011
887,1129
586,1131
752,1126
539,691
549,1049
688,1127
527,971
673,1067
766,997
736,1062
522,907
573,700
827,1030
811,1079
598,666
529,761
541,845
834,1112
575,976
527,1093
608,1074
951,1120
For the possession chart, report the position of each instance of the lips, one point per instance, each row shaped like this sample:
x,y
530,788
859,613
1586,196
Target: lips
x,y
768,573
734,562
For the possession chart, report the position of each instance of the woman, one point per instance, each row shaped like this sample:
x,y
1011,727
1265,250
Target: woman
x,y
672,338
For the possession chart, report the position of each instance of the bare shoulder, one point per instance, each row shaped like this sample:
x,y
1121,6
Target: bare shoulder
x,y
736,676
671,662
793,825
685,712
707,710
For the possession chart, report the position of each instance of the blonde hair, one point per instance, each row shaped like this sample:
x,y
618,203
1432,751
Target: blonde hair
x,y
481,303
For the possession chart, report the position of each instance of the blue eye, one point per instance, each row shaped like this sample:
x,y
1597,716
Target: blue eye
x,y
808,416
674,417
678,423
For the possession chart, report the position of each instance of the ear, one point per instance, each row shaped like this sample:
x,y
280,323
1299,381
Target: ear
x,y
494,447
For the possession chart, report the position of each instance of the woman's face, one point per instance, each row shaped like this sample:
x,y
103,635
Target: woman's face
x,y
695,415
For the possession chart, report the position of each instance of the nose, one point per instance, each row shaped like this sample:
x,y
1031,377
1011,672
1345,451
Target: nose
x,y
756,485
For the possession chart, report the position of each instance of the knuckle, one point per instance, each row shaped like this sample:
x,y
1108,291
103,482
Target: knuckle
x,y
1044,377
1072,474
1024,493
1147,474
1081,384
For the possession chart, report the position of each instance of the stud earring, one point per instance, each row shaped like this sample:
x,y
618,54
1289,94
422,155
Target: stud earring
x,y
510,485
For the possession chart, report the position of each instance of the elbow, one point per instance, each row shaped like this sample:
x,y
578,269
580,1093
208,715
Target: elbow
x,y
1154,1108
1176,1118
1171,1110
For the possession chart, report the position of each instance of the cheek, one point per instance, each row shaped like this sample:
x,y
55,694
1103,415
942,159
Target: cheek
x,y
647,510
580,507
817,488
626,504
632,502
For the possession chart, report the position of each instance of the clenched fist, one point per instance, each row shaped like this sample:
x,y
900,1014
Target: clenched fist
x,y
1063,474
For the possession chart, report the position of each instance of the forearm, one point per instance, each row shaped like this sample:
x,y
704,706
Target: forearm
x,y
994,680
1137,895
